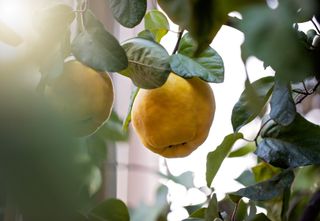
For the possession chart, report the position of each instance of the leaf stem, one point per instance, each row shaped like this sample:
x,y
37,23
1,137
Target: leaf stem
x,y
180,34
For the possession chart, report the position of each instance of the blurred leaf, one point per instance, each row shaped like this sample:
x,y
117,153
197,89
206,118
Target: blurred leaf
x,y
208,65
110,210
285,203
128,13
259,217
148,63
157,23
269,35
95,180
9,36
202,19
294,145
212,211
266,190
112,129
307,178
97,149
185,179
283,108
127,119
264,171
242,151
246,178
216,157
97,48
152,212
147,34
251,102
53,21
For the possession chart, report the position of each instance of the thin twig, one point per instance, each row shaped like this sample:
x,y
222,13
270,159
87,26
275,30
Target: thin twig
x,y
309,93
180,34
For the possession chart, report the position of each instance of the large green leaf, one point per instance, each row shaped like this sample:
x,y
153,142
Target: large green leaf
x,y
216,157
290,146
110,210
208,65
269,35
283,108
97,48
251,102
129,13
266,190
201,18
157,23
148,63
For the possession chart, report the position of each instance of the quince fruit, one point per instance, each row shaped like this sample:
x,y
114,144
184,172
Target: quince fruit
x,y
83,96
174,119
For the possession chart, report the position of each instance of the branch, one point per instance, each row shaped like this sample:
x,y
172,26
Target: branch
x,y
180,34
313,208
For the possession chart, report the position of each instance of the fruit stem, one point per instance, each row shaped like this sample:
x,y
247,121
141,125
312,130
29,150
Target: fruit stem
x,y
180,34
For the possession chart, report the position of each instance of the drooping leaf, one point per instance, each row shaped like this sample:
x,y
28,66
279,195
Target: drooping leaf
x,y
128,13
212,211
208,65
157,23
283,108
290,146
269,35
110,210
216,157
202,19
148,63
251,102
264,171
242,151
265,190
97,48
127,119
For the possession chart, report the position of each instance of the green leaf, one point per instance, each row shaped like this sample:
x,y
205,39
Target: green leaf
x,y
241,212
200,213
52,65
216,157
294,145
185,179
112,129
242,151
264,171
128,13
148,63
202,19
269,35
110,210
266,190
208,65
246,178
127,120
95,180
252,100
97,149
212,211
97,48
157,23
283,108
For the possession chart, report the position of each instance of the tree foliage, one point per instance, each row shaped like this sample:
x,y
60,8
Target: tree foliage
x,y
286,144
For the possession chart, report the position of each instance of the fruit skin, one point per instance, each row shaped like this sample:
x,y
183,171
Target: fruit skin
x,y
83,96
174,119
